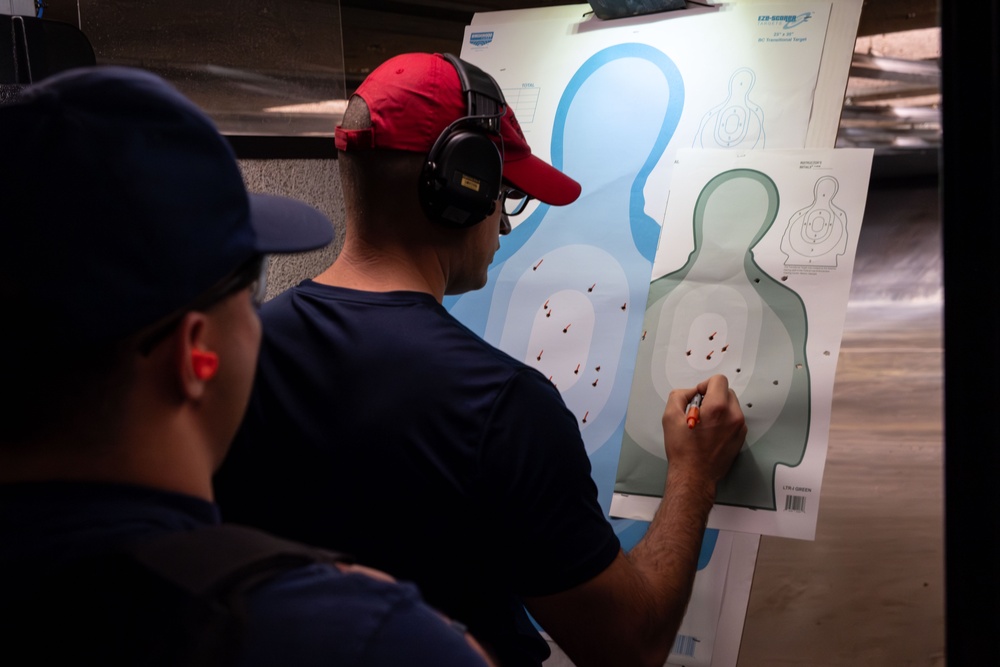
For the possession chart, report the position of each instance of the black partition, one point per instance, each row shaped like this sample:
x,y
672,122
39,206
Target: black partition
x,y
39,48
970,184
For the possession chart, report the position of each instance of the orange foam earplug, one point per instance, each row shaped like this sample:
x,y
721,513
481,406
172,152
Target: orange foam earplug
x,y
205,364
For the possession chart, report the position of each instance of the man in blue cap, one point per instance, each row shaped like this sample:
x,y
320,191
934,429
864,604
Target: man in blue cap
x,y
133,257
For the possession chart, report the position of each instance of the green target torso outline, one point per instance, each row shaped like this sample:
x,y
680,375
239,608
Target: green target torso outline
x,y
721,313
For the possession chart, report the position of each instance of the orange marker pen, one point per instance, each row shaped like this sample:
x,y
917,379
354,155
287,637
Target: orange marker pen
x,y
693,410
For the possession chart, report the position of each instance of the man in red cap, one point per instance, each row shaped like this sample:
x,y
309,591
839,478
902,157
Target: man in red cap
x,y
381,426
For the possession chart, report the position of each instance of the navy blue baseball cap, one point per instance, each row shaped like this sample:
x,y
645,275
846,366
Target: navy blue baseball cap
x,y
120,203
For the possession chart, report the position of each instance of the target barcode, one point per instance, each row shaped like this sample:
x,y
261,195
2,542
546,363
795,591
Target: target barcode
x,y
795,503
684,645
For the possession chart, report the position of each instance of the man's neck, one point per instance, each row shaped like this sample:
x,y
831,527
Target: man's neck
x,y
385,271
172,454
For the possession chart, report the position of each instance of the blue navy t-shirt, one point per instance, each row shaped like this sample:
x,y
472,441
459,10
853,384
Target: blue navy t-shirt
x,y
304,616
382,427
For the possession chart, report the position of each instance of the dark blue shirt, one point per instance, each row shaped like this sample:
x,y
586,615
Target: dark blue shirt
x,y
307,615
382,427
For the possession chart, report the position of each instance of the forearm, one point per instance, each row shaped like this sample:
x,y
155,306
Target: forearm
x,y
629,614
667,557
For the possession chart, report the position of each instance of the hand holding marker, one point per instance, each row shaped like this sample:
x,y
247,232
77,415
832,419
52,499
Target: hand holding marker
x,y
693,410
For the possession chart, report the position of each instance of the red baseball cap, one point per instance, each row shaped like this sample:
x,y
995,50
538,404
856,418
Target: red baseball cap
x,y
413,97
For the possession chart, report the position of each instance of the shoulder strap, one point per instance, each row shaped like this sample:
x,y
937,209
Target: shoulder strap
x,y
214,566
217,560
174,600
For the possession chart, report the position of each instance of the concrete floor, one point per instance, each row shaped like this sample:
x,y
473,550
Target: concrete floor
x,y
870,589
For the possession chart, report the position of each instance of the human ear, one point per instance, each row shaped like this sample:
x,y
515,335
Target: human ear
x,y
195,362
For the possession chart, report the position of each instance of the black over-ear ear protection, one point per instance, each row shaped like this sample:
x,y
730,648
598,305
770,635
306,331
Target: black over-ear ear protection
x,y
460,181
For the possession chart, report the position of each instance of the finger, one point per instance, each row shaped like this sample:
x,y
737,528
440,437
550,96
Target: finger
x,y
716,386
680,398
367,571
734,400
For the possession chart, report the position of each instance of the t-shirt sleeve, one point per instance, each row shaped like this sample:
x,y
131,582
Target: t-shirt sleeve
x,y
537,486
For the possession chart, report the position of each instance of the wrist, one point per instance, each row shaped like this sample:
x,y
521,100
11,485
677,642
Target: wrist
x,y
690,480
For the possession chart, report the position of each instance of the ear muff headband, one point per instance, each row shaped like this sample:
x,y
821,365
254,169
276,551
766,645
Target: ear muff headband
x,y
460,181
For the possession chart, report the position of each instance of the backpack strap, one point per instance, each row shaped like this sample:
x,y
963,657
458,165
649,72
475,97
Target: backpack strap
x,y
217,565
219,560
174,600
